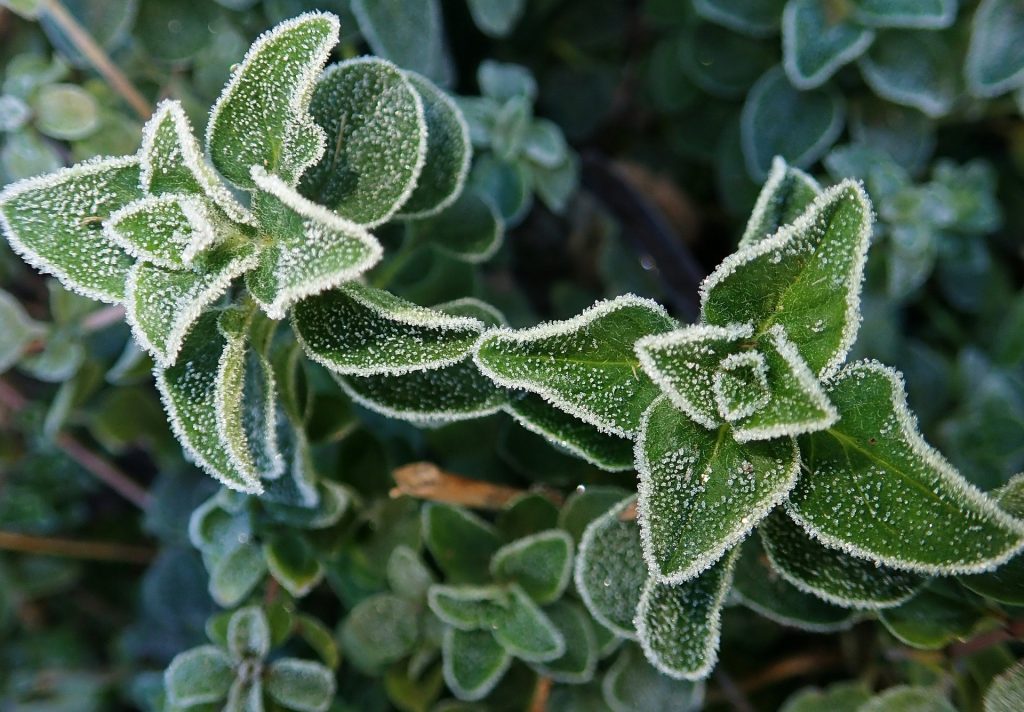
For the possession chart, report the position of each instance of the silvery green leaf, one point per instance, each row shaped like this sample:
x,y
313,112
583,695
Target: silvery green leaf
x,y
474,663
540,563
332,500
297,487
54,222
292,561
508,133
577,665
379,630
408,32
829,574
261,118
198,676
545,144
236,573
904,698
359,330
940,614
915,69
248,633
470,229
701,492
807,277
18,329
786,194
905,134
449,152
1006,693
610,570
313,250
779,120
65,111
632,684
874,468
757,18
320,638
506,185
60,359
555,186
161,305
467,607
188,390
995,57
585,505
817,40
581,439
167,231
496,18
678,624
502,81
837,697
1006,583
525,631
25,154
460,542
246,695
300,685
377,133
408,575
912,14
585,365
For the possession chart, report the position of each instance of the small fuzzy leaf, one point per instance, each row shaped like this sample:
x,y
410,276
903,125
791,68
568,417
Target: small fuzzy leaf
x,y
496,18
807,277
909,14
18,330
837,697
545,144
540,563
915,69
65,111
527,514
995,56
54,222
380,630
585,365
236,573
460,542
470,229
786,194
408,575
198,676
940,614
585,505
313,249
408,32
632,684
873,468
507,185
377,136
320,638
167,231
300,685
577,665
829,574
1006,694
701,492
817,40
608,452
678,624
473,663
468,607
1006,583
502,81
292,561
362,331
261,116
249,633
449,152
904,698
757,18
610,569
525,631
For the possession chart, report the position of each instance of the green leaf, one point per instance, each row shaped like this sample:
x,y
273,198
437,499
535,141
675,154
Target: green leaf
x,y
877,490
817,40
314,250
779,120
678,624
701,492
807,277
526,514
380,630
292,561
911,14
470,229
942,613
506,185
468,607
162,305
261,118
525,631
167,231
577,665
54,222
610,570
1006,583
995,56
608,452
320,638
502,81
449,152
786,194
460,542
236,574
408,576
246,695
408,32
632,683
915,69
585,505
473,663
837,697
300,685
26,153
249,633
829,574
585,365
496,18
377,139
757,18
66,112
908,699
540,563
198,676
1007,691
18,329
721,62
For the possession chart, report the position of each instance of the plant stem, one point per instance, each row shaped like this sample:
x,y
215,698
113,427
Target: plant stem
x,y
426,480
541,695
70,548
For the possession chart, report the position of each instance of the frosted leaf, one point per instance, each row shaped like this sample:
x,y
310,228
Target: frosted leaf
x,y
756,18
467,607
585,505
608,452
678,624
807,277
829,574
376,137
198,676
292,562
54,222
701,492
470,230
167,231
235,574
300,685
297,486
246,695
473,663
904,698
359,330
940,614
162,304
18,330
740,385
816,42
525,631
585,365
261,118
910,14
171,162
460,542
760,588
577,665
995,56
877,490
379,630
248,633
408,32
1006,694
914,69
610,570
496,18
786,194
632,684
1006,583
540,563
545,145
837,697
188,391
332,501
449,152
408,575
313,249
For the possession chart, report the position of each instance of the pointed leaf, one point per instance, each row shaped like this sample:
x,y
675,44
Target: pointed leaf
x,y
525,631
167,231
995,57
376,137
236,574
877,490
261,116
817,40
363,331
473,663
54,222
470,229
198,676
292,561
786,194
540,563
460,542
701,492
249,633
578,663
313,249
678,624
1006,583
914,69
631,684
585,365
807,277
911,14
300,685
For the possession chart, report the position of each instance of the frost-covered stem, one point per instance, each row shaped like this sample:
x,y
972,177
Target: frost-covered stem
x,y
70,548
425,480
84,42
541,694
